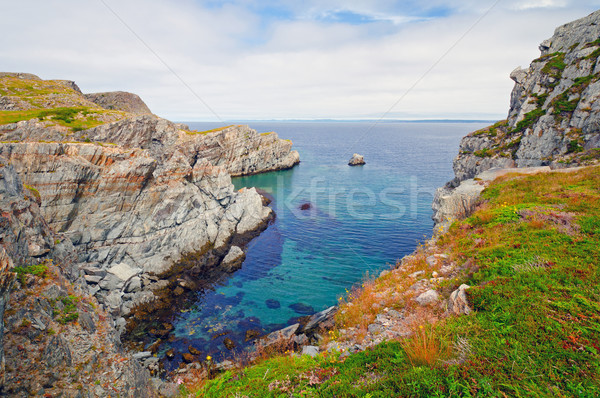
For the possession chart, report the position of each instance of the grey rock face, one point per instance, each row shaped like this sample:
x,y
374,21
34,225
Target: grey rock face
x,y
234,258
119,101
6,281
554,116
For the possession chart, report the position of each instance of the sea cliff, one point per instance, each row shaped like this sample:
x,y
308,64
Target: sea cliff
x,y
123,194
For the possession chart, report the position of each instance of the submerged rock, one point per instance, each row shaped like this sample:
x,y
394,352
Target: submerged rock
x,y
228,343
301,308
356,160
305,206
272,304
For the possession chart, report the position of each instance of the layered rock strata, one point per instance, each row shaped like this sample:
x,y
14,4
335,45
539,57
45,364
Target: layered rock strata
x,y
54,334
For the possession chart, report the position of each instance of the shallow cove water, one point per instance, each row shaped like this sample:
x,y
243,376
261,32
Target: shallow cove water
x,y
335,224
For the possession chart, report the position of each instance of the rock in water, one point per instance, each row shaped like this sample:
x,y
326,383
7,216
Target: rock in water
x,y
357,160
272,304
301,308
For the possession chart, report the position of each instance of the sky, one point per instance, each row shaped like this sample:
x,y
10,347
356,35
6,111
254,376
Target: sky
x,y
193,60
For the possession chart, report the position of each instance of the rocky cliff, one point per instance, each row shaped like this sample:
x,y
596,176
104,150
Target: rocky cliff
x,y
114,206
54,335
554,116
554,119
135,194
121,101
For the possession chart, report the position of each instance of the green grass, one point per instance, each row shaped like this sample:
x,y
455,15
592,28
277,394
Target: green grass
x,y
555,65
77,118
529,120
483,153
535,241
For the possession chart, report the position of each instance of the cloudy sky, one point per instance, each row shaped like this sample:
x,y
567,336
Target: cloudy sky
x,y
250,59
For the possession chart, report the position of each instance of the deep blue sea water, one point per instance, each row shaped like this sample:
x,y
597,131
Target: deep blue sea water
x,y
360,221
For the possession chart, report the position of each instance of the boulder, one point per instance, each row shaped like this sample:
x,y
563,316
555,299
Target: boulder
x,y
234,258
458,303
429,297
356,160
310,350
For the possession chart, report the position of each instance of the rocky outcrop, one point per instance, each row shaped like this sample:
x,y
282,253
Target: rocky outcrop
x,y
554,116
120,101
135,195
129,213
554,119
46,350
356,160
6,281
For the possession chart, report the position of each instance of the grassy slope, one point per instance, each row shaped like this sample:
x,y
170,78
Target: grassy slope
x,y
53,102
535,331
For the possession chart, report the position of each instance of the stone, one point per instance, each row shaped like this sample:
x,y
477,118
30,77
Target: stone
x,y
415,274
188,358
57,352
225,365
284,334
94,271
427,298
228,343
85,320
394,314
251,334
458,303
193,350
121,101
310,350
356,160
133,285
375,328
92,278
142,355
123,271
272,304
170,354
301,339
302,309
234,258
319,318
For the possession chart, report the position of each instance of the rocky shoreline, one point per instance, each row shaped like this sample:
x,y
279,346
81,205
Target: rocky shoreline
x,y
145,208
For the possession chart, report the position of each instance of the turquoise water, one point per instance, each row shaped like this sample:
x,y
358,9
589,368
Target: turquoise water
x,y
360,220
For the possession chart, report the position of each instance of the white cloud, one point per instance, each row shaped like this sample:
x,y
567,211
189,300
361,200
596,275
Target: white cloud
x,y
247,65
